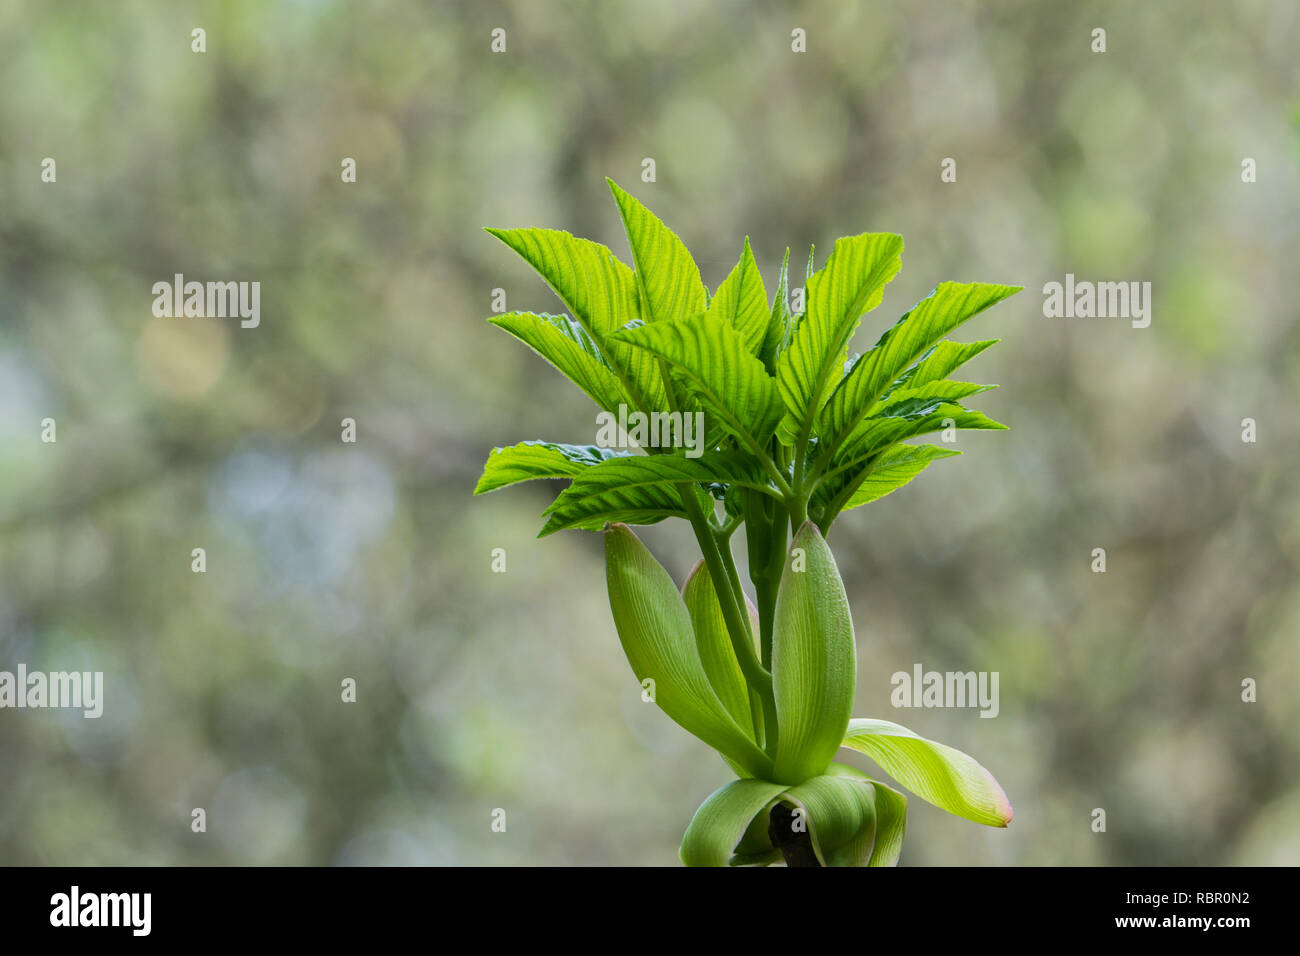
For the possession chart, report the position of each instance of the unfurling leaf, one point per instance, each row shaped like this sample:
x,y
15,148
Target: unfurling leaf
x,y
891,817
814,660
849,819
874,435
563,342
741,302
655,630
722,820
951,304
600,292
780,322
851,283
668,277
941,361
886,472
935,772
531,460
715,367
840,812
638,489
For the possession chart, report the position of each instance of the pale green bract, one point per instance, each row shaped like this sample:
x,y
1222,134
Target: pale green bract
x,y
796,431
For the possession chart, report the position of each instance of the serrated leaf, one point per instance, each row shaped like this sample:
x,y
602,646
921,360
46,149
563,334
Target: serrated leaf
x,y
593,506
540,459
562,342
874,435
951,304
730,384
814,659
600,293
780,322
935,772
642,486
713,642
741,301
597,289
939,362
891,470
903,402
671,287
721,822
655,630
851,284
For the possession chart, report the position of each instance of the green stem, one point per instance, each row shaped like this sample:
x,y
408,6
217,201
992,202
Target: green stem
x,y
767,581
756,702
839,501
765,534
798,508
737,626
733,579
773,471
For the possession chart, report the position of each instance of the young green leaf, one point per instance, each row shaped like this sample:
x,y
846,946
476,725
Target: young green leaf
x,y
889,471
940,362
716,369
670,282
741,301
599,291
891,825
814,659
850,284
901,402
951,304
639,489
563,343
638,497
540,459
935,772
721,822
779,324
755,847
655,630
874,435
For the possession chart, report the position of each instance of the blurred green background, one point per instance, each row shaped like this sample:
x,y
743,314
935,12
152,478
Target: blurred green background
x,y
479,690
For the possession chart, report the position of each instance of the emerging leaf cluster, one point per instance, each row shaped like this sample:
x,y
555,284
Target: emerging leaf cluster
x,y
796,431
794,421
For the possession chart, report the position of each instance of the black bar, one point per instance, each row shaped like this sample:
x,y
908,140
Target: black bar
x,y
333,906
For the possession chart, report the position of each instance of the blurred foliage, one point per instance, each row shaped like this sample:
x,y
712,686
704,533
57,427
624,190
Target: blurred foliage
x,y
480,690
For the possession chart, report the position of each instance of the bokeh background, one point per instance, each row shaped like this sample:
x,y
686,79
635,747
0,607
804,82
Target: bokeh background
x,y
479,690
